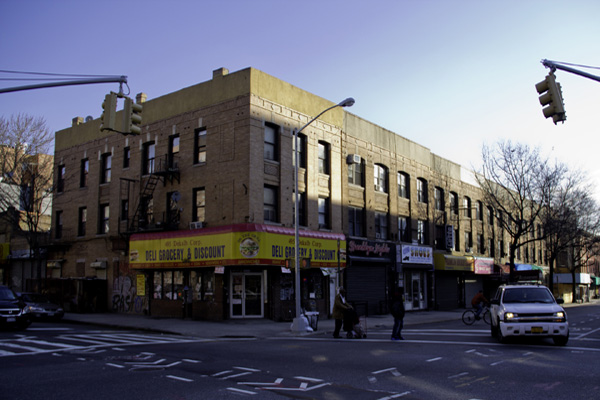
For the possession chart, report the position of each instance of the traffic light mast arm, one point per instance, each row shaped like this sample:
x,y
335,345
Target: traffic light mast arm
x,y
553,65
120,79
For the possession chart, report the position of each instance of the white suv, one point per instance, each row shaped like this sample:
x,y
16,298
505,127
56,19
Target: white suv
x,y
528,310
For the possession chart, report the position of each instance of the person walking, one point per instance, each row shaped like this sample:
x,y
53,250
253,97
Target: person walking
x,y
398,312
339,307
477,302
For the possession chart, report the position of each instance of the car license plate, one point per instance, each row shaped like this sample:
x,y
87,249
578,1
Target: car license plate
x,y
537,329
11,319
50,314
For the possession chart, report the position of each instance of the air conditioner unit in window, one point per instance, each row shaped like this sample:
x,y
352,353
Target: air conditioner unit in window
x,y
468,250
196,225
353,159
377,235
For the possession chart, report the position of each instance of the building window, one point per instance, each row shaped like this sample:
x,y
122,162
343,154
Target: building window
x,y
422,232
271,142
468,242
148,157
356,221
324,213
271,205
467,206
491,247
324,158
124,210
199,210
490,216
58,231
479,210
403,185
105,167
126,157
60,181
440,237
82,219
453,203
439,199
174,152
404,229
422,190
103,218
455,241
480,244
172,209
381,226
200,146
380,177
83,173
302,140
146,212
302,217
26,198
355,174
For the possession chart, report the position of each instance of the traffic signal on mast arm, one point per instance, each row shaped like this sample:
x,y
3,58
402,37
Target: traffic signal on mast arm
x,y
109,106
132,115
551,98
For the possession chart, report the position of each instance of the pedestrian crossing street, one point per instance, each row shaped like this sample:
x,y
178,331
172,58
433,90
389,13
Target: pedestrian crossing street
x,y
28,343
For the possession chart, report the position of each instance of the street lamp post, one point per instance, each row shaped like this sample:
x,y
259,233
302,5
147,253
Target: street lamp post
x,y
299,324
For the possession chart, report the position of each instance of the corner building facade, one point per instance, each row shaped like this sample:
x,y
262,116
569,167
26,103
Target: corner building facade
x,y
194,217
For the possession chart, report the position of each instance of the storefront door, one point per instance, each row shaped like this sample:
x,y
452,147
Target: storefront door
x,y
415,293
246,295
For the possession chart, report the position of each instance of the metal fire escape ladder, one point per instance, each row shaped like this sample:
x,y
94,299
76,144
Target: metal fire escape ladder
x,y
146,193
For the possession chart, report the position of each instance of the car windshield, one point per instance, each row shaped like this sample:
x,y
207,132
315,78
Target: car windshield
x,y
527,295
7,294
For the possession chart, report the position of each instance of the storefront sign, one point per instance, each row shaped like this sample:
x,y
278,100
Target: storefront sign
x,y
367,248
246,244
484,266
416,255
141,284
445,262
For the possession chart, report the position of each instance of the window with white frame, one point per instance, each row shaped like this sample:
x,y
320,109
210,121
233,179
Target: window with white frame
x,y
421,190
381,226
380,178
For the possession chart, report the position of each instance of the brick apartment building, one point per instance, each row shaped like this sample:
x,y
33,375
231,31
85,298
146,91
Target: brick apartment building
x,y
194,217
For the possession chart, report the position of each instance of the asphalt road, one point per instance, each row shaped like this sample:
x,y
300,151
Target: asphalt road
x,y
436,361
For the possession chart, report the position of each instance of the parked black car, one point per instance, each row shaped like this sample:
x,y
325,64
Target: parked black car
x,y
41,308
13,311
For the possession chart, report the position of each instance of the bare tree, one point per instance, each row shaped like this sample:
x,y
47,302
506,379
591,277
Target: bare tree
x,y
26,179
515,180
583,245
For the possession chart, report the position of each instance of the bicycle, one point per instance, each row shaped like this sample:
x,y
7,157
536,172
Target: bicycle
x,y
469,317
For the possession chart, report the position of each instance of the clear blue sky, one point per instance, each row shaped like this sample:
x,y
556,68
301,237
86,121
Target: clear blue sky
x,y
449,75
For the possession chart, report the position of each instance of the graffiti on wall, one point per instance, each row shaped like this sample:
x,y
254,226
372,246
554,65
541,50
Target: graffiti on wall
x,y
125,298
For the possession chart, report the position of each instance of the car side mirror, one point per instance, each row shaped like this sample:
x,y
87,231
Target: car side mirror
x,y
495,301
560,300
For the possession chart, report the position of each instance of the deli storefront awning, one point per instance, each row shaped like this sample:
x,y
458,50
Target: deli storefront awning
x,y
242,244
446,262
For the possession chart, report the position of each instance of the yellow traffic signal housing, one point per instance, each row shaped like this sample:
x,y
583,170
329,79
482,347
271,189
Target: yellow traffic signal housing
x,y
551,98
109,106
132,115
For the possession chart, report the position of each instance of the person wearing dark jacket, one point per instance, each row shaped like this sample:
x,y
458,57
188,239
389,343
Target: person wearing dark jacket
x,y
398,314
339,307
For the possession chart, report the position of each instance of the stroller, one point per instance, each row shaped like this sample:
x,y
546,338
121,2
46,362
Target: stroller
x,y
352,325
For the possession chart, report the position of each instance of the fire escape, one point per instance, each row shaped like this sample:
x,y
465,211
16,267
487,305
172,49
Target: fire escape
x,y
141,193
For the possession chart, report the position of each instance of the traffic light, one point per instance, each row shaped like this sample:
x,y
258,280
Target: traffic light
x,y
551,98
132,114
109,106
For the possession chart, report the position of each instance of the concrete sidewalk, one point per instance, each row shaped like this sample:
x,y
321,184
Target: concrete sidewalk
x,y
258,328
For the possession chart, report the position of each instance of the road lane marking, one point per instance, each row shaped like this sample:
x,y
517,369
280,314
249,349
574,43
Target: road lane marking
x,y
458,375
241,391
179,378
434,359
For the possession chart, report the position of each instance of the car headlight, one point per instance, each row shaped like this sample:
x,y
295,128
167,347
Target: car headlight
x,y
34,309
560,316
509,316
